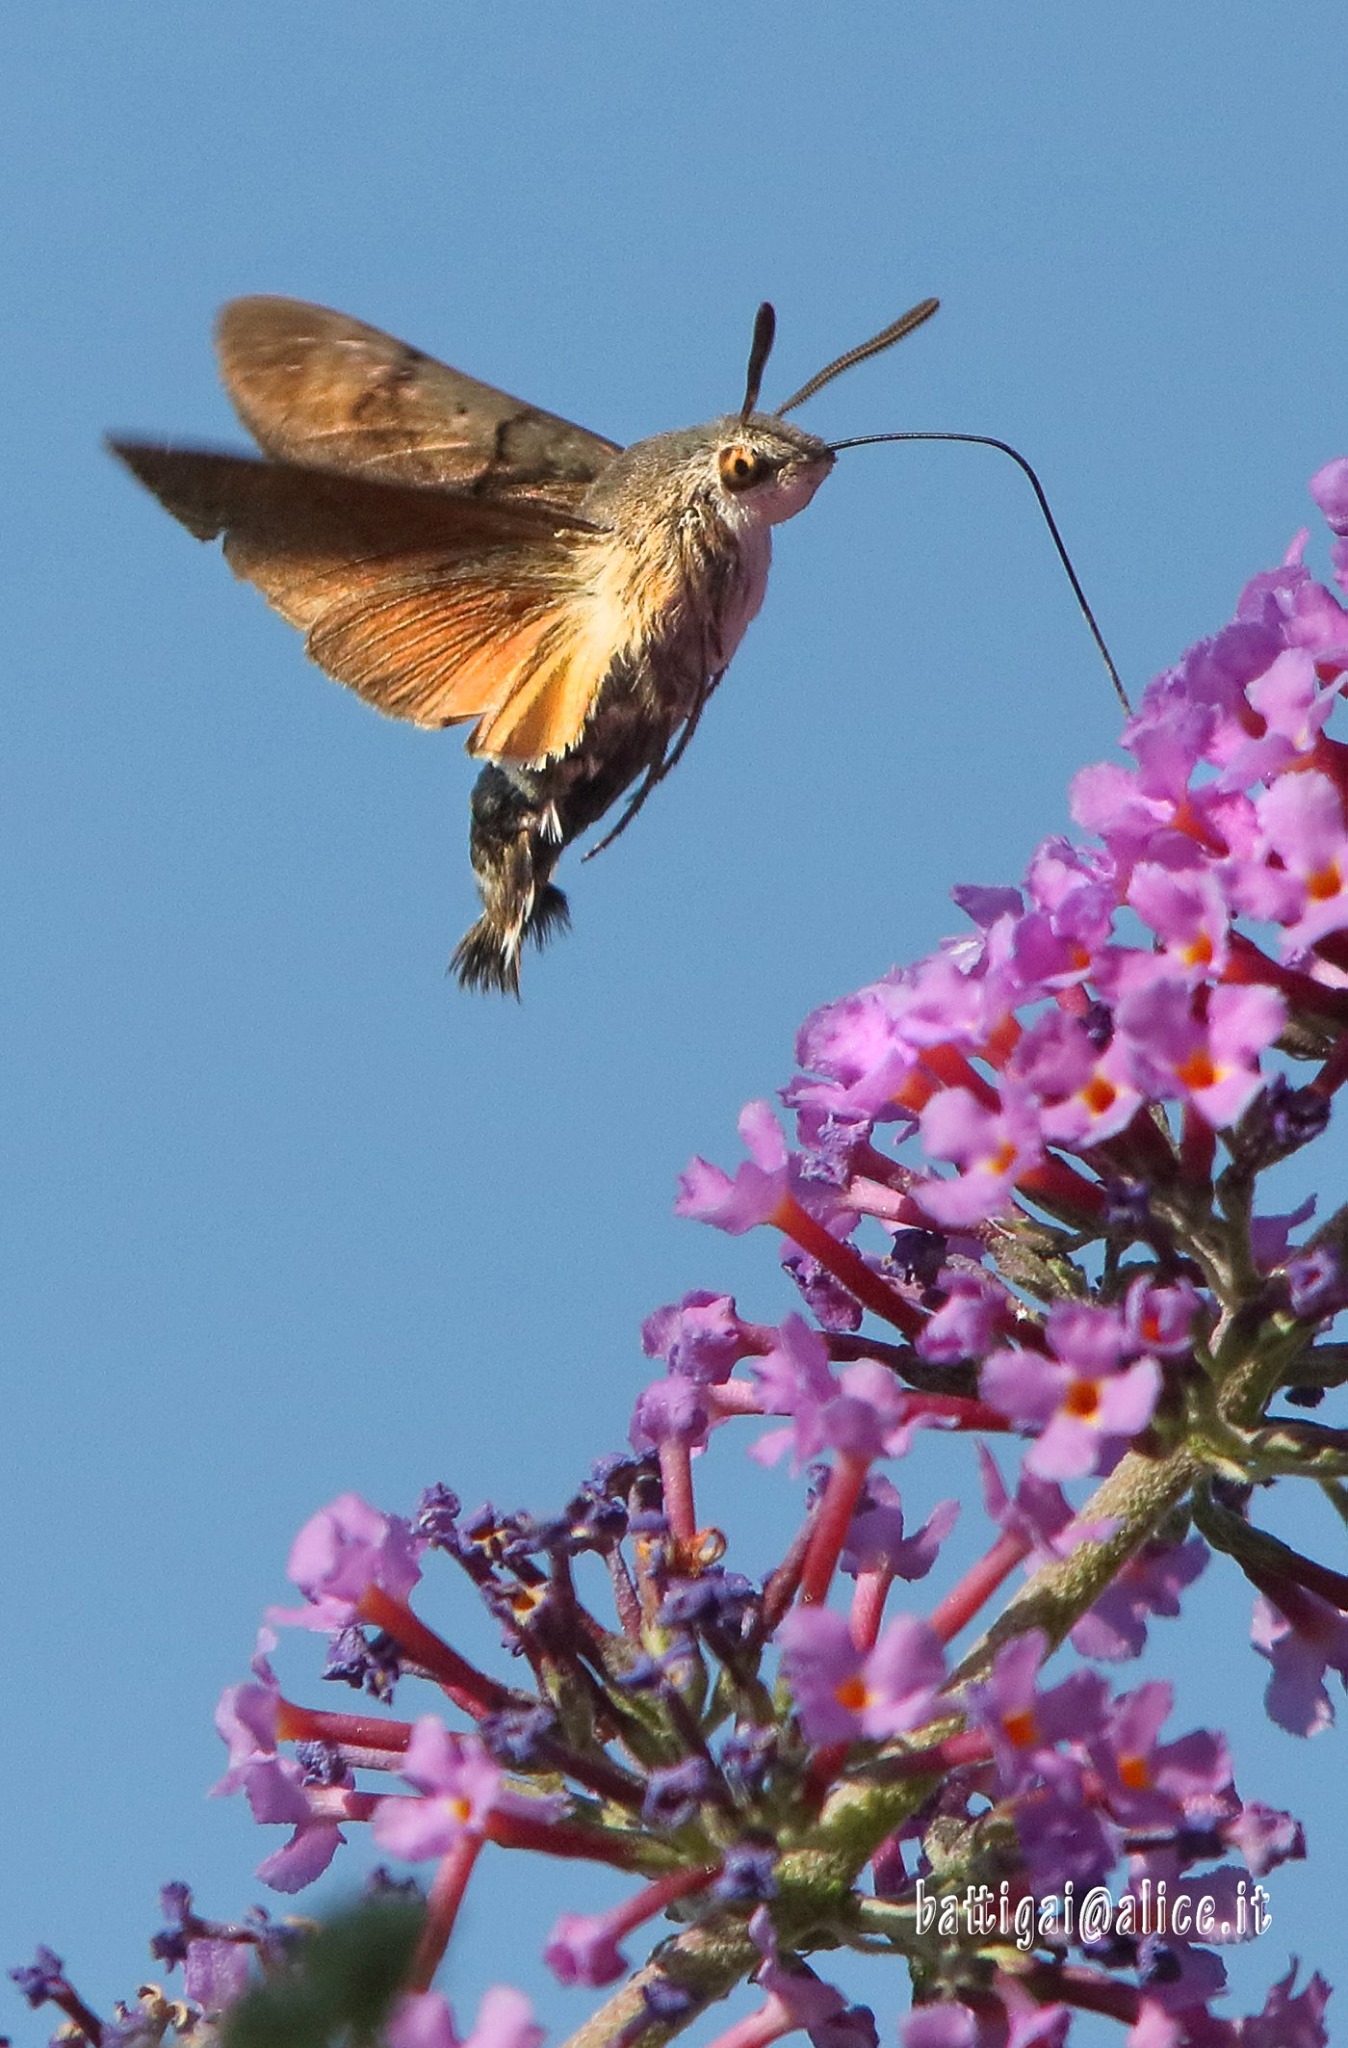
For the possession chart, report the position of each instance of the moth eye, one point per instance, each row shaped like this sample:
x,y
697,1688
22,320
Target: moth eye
x,y
741,466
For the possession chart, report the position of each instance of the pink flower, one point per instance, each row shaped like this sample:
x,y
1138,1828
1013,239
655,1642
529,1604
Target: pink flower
x,y
752,1196
843,1694
991,1148
1301,819
1211,1061
1186,910
1299,1653
504,2020
1085,1090
460,1789
339,1553
1085,1402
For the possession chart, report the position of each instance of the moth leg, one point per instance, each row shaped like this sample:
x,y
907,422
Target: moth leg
x,y
515,841
657,772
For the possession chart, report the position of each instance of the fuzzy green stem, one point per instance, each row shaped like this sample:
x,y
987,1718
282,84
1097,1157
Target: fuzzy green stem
x,y
705,1962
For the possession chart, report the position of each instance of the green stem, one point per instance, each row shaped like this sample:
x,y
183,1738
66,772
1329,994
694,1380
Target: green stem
x,y
705,1962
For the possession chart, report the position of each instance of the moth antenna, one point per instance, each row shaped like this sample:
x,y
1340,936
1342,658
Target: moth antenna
x,y
760,348
886,338
1005,448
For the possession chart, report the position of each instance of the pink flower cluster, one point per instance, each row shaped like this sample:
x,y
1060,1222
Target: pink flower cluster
x,y
1108,1041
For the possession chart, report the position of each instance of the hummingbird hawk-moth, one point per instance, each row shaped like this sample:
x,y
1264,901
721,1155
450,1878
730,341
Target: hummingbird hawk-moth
x,y
454,555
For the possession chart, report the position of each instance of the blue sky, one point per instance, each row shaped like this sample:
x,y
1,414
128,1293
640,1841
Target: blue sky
x,y
287,1212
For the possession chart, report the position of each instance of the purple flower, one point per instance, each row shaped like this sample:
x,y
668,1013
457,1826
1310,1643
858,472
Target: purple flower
x,y
955,996
1300,611
944,2026
1185,909
700,1337
276,1795
1211,1061
1037,1513
422,2019
758,1187
1084,1402
504,2020
1086,1094
1287,2020
876,1542
1265,1837
1270,1236
1161,1319
41,1980
857,1045
583,1949
216,1973
987,906
959,2026
1063,1835
804,1999
975,1310
1137,812
460,1789
861,1410
672,1410
1299,1652
1329,488
340,1552
674,1792
1149,1583
1025,1723
828,1301
1315,1283
843,1694
245,1721
748,1874
1301,821
795,1378
1160,1785
991,1148
1292,706
1055,944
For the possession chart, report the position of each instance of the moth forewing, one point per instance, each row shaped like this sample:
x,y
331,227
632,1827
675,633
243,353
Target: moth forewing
x,y
317,387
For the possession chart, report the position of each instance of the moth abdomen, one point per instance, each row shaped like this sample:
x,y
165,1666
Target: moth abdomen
x,y
514,844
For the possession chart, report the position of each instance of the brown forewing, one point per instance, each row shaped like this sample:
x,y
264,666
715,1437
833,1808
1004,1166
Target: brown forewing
x,y
317,387
433,607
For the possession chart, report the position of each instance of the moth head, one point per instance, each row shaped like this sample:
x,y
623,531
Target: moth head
x,y
747,473
764,471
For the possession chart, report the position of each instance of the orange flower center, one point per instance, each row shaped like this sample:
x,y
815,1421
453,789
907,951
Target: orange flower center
x,y
1021,1727
1325,882
1099,1094
1083,1399
852,1693
1197,1071
1135,1773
